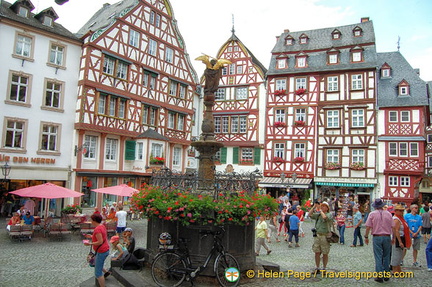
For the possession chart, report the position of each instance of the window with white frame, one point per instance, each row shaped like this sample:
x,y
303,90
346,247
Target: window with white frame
x,y
108,66
281,63
405,181
182,91
158,20
116,106
220,94
403,149
102,104
357,118
280,84
241,93
111,149
152,17
149,80
414,149
239,69
47,21
243,126
90,143
19,88
53,94
23,11
15,131
112,107
385,72
333,58
300,83
393,149
169,55
356,82
301,62
300,114
403,91
358,155
393,116
225,124
429,161
149,115
356,56
405,116
156,150
224,71
217,124
115,67
173,88
49,137
300,150
152,47
246,155
279,150
122,68
23,46
139,151
280,115
429,138
333,118
171,120
56,55
232,68
393,181
177,156
289,41
134,37
234,124
332,84
333,155
180,122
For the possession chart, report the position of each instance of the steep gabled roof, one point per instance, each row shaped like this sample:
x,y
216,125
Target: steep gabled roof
x,y
401,71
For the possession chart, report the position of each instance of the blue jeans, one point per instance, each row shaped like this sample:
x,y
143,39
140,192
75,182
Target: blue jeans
x,y
429,254
341,230
99,264
357,233
294,233
382,250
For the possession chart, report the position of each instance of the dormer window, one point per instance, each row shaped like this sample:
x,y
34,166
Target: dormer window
x,y
47,21
356,54
385,71
333,56
357,31
336,35
47,17
301,60
289,41
282,63
403,88
303,39
23,11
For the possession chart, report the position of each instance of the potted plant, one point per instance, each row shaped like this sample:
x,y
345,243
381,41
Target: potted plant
x,y
332,165
72,209
248,161
300,91
278,159
156,160
357,166
299,159
280,92
299,123
280,124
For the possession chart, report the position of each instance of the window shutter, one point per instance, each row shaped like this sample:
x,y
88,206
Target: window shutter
x,y
257,155
223,157
130,150
235,155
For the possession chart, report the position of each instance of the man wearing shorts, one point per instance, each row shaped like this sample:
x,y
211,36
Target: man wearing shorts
x,y
121,220
415,225
323,221
426,226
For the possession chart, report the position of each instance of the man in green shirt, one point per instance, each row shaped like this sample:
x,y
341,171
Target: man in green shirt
x,y
323,220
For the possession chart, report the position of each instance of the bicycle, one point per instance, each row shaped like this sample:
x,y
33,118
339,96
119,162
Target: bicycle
x,y
171,267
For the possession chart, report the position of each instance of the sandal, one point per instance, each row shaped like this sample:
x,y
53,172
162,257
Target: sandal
x,y
108,273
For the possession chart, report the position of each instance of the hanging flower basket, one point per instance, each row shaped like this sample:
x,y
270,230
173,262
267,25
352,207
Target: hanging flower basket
x,y
300,92
278,159
299,123
332,165
157,160
357,166
246,161
280,124
280,92
299,159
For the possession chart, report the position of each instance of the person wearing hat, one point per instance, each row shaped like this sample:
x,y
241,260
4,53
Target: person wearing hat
x,y
129,240
357,221
119,252
28,219
380,224
323,222
401,238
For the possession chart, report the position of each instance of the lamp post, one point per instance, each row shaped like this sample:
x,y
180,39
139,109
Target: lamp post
x,y
5,171
288,184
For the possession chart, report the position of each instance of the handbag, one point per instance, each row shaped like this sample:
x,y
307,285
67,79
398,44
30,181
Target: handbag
x,y
91,257
332,237
280,220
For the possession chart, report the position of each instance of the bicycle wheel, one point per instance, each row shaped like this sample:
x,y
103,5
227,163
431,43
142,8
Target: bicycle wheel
x,y
224,274
168,270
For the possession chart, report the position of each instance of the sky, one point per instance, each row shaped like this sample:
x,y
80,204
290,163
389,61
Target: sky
x,y
206,25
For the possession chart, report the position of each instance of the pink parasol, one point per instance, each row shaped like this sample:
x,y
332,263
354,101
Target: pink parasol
x,y
119,190
46,190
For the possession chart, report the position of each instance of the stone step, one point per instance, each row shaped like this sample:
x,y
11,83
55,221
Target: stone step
x,y
109,282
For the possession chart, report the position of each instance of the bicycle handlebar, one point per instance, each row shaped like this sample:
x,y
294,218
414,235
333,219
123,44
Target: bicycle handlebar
x,y
211,232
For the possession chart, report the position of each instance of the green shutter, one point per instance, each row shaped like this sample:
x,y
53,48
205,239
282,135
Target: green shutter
x,y
257,155
130,150
235,155
223,157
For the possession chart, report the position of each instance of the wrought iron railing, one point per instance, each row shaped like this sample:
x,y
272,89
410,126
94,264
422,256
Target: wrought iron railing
x,y
223,183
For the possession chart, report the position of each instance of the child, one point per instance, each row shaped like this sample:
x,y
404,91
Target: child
x,y
119,252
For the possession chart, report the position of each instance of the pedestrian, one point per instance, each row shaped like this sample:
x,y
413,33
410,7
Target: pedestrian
x,y
366,210
121,220
415,225
261,233
287,222
323,220
380,224
100,246
340,221
401,238
281,221
129,240
426,224
273,229
294,225
357,221
300,215
429,255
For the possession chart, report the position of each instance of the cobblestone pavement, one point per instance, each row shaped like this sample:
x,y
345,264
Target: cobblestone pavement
x,y
42,262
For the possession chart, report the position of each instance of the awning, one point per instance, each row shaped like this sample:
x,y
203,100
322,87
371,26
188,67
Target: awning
x,y
347,184
288,182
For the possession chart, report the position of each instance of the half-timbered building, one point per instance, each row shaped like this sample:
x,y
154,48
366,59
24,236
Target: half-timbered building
x,y
39,75
426,183
404,116
238,113
135,97
321,109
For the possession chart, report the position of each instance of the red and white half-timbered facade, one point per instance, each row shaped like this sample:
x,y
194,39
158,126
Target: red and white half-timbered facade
x,y
238,116
135,97
404,114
